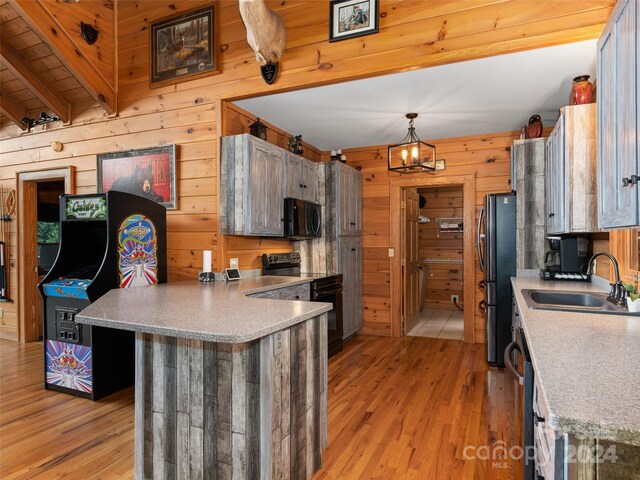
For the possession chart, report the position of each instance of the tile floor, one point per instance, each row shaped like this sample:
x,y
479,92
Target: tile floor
x,y
448,324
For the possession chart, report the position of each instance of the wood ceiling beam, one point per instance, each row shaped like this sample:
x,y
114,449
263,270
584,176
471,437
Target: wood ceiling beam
x,y
12,110
17,65
62,45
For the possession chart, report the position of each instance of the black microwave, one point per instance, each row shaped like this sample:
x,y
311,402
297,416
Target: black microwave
x,y
302,220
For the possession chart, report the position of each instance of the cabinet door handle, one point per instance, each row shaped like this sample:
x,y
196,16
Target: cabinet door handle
x,y
537,419
300,185
304,186
551,215
625,181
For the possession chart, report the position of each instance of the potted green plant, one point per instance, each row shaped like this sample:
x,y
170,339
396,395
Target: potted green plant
x,y
633,297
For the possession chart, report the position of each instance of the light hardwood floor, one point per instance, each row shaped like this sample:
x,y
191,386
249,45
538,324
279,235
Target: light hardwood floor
x,y
398,409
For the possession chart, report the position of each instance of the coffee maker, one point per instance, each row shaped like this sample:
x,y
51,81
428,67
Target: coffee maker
x,y
567,258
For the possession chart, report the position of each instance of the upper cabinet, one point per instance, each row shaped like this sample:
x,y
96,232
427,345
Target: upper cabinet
x,y
252,186
302,178
349,187
571,179
618,114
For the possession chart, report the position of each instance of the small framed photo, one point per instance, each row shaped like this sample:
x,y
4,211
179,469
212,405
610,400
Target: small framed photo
x,y
148,172
184,47
352,18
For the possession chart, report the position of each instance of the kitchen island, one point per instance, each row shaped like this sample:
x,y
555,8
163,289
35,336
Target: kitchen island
x,y
226,386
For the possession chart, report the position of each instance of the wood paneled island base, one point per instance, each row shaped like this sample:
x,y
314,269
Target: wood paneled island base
x,y
218,410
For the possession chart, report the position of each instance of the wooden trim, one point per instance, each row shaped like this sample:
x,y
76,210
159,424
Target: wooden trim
x,y
396,185
21,69
12,110
27,247
63,46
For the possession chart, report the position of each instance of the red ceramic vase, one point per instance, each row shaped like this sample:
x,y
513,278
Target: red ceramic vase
x,y
581,90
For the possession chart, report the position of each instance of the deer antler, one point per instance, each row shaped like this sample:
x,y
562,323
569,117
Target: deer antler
x,y
266,33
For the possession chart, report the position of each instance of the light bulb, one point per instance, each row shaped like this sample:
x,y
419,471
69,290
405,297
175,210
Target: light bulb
x,y
405,154
414,154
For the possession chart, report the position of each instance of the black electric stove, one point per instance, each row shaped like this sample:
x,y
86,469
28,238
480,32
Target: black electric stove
x,y
325,287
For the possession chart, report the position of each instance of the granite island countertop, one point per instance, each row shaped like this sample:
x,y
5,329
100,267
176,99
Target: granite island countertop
x,y
214,312
587,365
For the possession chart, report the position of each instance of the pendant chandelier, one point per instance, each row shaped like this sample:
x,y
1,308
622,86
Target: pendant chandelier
x,y
412,155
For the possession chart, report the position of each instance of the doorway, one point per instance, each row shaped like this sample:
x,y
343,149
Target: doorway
x,y
439,238
38,193
457,219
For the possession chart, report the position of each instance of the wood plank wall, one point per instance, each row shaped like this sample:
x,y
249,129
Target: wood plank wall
x,y
443,279
412,35
487,157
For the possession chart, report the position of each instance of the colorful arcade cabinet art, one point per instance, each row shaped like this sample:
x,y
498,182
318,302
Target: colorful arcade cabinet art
x,y
107,240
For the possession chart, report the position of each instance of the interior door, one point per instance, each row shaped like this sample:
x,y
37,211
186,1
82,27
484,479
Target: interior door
x,y
410,259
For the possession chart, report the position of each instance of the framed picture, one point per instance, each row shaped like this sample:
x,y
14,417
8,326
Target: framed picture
x,y
148,172
352,18
184,46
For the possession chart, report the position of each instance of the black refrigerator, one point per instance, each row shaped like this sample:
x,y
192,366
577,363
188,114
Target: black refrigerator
x,y
497,253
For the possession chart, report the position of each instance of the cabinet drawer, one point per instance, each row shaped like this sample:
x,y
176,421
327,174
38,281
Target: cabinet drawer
x,y
296,292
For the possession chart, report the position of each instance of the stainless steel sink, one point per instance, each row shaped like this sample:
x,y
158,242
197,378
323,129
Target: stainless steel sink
x,y
587,302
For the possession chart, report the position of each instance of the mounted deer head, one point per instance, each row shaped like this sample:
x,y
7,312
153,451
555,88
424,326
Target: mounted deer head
x,y
266,33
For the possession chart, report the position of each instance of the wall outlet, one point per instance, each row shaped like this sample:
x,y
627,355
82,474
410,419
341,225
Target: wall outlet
x,y
454,298
392,252
233,263
1,313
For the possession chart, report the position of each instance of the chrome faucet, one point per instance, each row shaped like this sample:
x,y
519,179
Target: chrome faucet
x,y
618,293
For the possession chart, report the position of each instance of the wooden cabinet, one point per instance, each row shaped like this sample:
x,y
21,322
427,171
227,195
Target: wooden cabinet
x,y
350,265
252,184
571,172
344,243
295,292
555,180
301,179
528,165
618,117
349,201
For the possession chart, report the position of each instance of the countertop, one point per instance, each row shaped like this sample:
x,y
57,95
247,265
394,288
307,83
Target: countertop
x,y
214,312
588,366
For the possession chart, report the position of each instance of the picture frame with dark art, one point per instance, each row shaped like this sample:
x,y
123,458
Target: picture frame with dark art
x,y
184,47
147,172
352,18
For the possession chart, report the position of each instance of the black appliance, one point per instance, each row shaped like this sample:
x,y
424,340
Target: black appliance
x,y
107,240
567,258
325,287
302,220
497,254
518,362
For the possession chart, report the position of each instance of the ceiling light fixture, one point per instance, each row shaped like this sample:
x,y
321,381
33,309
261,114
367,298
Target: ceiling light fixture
x,y
412,155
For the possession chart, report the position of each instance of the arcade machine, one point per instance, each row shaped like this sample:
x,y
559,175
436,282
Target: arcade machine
x,y
107,240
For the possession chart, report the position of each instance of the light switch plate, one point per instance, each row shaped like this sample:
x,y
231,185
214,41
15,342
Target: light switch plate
x,y
233,262
392,252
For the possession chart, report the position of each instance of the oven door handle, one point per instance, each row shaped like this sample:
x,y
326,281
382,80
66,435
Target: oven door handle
x,y
326,293
513,346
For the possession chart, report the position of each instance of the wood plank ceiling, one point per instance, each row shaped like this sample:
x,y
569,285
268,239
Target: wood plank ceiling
x,y
34,78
